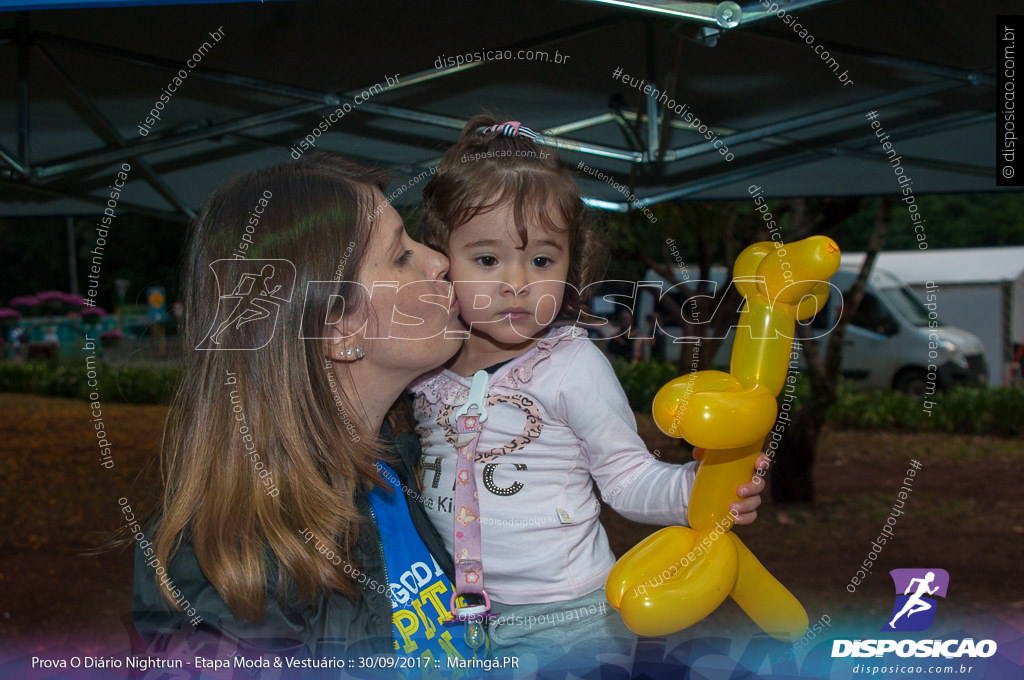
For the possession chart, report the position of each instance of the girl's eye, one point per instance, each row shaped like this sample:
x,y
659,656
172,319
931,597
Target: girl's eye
x,y
542,262
404,258
487,260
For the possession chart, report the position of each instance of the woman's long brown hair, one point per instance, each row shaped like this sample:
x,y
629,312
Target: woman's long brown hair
x,y
301,420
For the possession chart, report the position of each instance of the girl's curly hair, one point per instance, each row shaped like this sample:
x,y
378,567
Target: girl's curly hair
x,y
484,171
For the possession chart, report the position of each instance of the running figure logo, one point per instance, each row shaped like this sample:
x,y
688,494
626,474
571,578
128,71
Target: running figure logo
x,y
247,315
914,610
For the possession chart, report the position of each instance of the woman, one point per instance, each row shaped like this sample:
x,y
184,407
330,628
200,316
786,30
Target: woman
x,y
277,448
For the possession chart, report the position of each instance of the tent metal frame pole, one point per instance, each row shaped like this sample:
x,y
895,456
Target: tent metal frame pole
x,y
630,134
581,124
86,198
786,162
71,164
653,117
561,143
313,100
200,72
8,158
986,77
107,130
326,98
810,119
672,155
974,118
724,15
665,117
23,102
77,162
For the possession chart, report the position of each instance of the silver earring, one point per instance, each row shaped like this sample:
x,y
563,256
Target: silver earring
x,y
359,352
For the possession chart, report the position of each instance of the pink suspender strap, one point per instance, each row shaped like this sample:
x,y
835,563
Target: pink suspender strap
x,y
469,568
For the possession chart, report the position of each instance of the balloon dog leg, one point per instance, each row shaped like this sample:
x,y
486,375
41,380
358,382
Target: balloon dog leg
x,y
764,599
672,580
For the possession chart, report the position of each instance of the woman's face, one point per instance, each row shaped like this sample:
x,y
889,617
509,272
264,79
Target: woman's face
x,y
412,320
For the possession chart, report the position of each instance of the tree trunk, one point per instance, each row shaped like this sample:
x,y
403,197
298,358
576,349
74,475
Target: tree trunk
x,y
793,473
792,479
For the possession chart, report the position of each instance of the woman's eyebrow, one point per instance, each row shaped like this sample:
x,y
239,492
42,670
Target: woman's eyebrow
x,y
399,232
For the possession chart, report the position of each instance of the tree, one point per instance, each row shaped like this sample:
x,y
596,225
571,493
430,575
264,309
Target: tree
x,y
711,229
792,478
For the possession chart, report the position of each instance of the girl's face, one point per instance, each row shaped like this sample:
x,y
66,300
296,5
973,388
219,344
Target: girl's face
x,y
508,292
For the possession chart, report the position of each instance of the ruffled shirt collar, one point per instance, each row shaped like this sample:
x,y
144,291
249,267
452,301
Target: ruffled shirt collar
x,y
452,389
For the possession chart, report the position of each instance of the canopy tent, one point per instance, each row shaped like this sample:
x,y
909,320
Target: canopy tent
x,y
79,85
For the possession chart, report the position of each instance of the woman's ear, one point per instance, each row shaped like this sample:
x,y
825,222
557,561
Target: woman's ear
x,y
343,338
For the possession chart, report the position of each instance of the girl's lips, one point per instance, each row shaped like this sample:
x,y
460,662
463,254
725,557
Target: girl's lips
x,y
515,314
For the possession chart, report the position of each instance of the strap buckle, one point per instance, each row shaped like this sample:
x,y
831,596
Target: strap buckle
x,y
471,611
477,398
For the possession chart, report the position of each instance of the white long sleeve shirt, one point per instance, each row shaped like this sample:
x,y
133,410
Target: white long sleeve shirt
x,y
558,422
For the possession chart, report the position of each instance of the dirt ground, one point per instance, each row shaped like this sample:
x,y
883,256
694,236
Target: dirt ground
x,y
963,515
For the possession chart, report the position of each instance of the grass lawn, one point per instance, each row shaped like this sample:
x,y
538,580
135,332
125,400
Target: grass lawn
x,y
964,515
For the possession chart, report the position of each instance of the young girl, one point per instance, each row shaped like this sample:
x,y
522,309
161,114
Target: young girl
x,y
510,218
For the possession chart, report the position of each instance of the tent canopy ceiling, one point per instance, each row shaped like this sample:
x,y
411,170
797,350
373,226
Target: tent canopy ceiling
x,y
79,83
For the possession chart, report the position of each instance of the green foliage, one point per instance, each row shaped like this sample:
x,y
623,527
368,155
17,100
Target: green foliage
x,y
954,221
127,384
142,384
878,411
961,410
642,380
981,411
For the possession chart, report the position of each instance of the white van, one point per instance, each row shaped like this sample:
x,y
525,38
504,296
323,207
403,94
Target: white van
x,y
886,343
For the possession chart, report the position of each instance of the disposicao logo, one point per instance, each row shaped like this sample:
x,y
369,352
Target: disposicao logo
x,y
914,610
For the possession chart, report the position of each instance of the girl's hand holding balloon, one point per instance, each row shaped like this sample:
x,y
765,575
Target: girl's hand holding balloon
x,y
745,510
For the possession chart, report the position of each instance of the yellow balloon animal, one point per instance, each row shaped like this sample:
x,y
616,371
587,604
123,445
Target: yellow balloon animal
x,y
679,575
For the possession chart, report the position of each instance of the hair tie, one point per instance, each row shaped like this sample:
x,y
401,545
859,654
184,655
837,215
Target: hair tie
x,y
511,129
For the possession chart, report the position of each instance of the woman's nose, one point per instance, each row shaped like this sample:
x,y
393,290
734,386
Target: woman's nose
x,y
438,267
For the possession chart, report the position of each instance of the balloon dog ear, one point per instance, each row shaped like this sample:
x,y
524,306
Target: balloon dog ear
x,y
745,271
792,271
